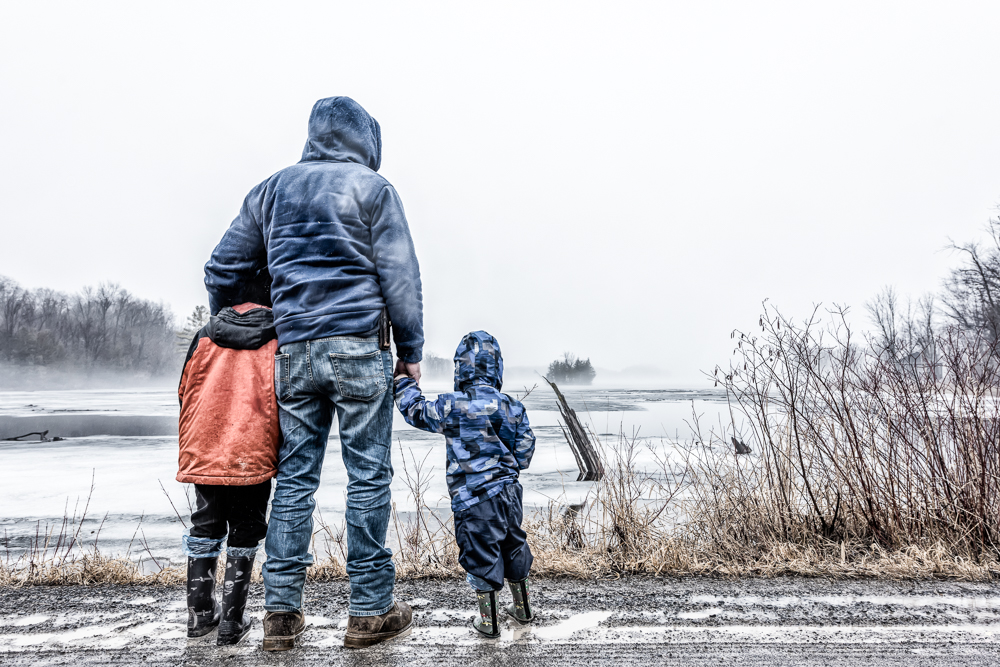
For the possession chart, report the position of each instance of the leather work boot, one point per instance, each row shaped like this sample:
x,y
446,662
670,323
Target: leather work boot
x,y
204,612
520,610
235,625
367,630
486,623
281,628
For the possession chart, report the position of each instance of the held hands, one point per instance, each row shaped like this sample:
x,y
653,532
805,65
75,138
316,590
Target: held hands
x,y
409,370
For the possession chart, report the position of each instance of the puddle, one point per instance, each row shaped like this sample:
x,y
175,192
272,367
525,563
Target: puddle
x,y
442,615
160,630
798,634
325,639
748,600
115,636
22,621
145,600
320,621
699,615
419,603
848,600
908,600
464,635
573,624
80,636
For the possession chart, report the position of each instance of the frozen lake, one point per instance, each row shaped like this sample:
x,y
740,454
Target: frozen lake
x,y
40,483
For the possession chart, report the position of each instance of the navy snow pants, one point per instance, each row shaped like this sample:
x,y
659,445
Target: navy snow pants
x,y
492,546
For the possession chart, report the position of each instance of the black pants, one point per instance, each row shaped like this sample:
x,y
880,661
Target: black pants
x,y
491,544
237,511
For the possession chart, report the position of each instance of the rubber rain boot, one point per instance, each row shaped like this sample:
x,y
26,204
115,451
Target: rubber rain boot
x,y
235,625
204,612
487,623
521,610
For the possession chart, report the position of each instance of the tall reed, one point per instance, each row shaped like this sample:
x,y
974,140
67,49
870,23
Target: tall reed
x,y
856,445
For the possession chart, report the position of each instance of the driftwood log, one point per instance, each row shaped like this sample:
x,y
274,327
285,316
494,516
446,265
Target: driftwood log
x,y
591,468
42,437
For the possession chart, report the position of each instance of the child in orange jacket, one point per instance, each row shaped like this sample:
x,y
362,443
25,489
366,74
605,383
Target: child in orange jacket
x,y
228,436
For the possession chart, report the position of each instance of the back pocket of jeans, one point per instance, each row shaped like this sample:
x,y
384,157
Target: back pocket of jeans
x,y
359,376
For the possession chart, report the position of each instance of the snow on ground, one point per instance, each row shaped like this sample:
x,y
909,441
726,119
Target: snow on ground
x,y
631,621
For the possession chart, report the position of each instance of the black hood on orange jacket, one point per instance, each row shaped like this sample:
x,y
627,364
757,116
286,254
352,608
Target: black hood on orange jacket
x,y
248,330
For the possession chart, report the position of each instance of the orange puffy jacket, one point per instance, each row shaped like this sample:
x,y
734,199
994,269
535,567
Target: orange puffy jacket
x,y
229,430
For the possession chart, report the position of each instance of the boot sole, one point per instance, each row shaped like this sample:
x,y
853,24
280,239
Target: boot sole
x,y
202,631
361,641
281,643
519,621
229,640
484,635
194,634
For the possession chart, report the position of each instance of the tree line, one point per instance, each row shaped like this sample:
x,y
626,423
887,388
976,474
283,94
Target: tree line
x,y
103,327
968,304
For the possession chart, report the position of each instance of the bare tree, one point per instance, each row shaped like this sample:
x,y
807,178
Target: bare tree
x,y
972,291
15,307
195,321
106,327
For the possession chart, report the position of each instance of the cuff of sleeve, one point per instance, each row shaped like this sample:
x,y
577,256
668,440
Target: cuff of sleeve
x,y
410,356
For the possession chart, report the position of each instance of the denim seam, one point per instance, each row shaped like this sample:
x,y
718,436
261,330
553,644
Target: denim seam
x,y
355,340
284,372
309,365
353,612
279,607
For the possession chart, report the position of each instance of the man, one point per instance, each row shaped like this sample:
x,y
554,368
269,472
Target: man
x,y
332,234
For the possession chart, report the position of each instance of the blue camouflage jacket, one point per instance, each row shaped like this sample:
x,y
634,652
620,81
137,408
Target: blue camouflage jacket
x,y
487,433
332,234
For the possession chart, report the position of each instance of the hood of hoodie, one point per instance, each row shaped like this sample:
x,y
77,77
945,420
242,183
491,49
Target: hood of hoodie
x,y
478,361
340,130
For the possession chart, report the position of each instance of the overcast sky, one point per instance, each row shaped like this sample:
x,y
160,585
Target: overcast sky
x,y
627,181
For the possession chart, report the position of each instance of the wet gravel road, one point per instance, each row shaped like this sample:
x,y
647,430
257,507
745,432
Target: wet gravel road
x,y
636,621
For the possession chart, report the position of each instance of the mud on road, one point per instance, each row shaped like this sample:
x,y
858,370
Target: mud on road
x,y
634,621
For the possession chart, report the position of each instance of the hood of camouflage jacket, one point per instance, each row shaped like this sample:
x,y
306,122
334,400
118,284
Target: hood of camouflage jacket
x,y
478,361
340,130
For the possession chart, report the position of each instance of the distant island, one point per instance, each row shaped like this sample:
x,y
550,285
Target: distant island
x,y
570,370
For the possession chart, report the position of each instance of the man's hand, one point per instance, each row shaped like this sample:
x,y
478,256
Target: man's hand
x,y
410,370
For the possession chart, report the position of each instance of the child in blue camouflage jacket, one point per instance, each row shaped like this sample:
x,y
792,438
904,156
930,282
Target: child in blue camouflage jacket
x,y
489,442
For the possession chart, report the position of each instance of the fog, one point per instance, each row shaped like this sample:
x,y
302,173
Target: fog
x,y
623,181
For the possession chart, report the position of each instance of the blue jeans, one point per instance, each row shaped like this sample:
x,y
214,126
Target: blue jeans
x,y
312,380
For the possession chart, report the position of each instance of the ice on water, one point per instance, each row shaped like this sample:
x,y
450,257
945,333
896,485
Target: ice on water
x,y
42,482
